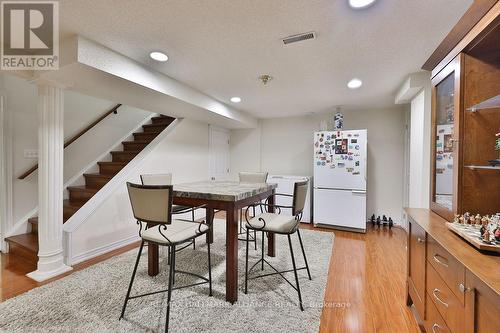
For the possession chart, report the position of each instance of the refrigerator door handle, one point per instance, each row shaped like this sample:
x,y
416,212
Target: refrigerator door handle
x,y
358,192
331,189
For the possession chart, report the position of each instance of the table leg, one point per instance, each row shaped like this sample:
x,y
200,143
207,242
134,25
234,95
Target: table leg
x,y
231,255
153,259
210,220
271,245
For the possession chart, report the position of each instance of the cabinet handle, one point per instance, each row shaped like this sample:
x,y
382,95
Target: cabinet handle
x,y
463,288
439,261
434,328
434,293
420,240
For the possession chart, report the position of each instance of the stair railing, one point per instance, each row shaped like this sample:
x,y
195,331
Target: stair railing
x,y
113,110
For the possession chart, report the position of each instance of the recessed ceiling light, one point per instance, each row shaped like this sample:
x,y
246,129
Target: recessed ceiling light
x,y
358,4
235,99
354,83
158,56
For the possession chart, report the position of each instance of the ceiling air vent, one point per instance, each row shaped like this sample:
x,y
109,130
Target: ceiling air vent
x,y
298,38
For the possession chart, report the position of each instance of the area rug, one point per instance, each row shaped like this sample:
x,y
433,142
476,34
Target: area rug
x,y
90,300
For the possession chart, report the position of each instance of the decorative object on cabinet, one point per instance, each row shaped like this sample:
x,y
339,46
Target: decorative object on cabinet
x,y
484,236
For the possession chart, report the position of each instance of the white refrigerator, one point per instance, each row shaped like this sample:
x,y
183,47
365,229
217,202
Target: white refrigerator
x,y
340,164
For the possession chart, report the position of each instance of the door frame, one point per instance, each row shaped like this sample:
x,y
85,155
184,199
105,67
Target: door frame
x,y
211,130
5,171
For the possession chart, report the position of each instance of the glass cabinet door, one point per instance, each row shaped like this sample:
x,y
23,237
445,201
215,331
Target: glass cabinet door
x,y
444,145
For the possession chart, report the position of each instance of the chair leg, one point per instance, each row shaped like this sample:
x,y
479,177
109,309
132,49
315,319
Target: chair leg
x,y
255,239
262,263
295,272
170,284
173,265
246,262
209,271
304,254
194,243
192,214
168,256
132,279
241,221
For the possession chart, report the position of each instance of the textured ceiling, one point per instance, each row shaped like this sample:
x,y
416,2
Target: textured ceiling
x,y
220,47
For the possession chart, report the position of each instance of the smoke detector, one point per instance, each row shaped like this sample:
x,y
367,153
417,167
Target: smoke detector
x,y
299,37
265,78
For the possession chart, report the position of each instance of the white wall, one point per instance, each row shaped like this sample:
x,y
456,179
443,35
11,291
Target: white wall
x,y
184,153
417,187
419,152
80,111
285,146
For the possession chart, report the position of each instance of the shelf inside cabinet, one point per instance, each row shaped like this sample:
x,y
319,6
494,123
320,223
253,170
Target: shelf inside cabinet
x,y
491,103
482,167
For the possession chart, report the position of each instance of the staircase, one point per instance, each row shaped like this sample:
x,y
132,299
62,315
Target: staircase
x,y
26,245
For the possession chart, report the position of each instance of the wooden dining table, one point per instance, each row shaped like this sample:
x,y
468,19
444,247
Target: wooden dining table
x,y
229,197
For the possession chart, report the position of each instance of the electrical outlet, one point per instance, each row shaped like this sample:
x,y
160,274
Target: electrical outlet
x,y
31,153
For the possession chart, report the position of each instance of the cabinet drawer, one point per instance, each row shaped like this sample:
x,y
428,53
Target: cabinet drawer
x,y
434,323
416,266
445,301
449,269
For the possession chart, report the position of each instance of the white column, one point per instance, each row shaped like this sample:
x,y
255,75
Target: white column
x,y
50,183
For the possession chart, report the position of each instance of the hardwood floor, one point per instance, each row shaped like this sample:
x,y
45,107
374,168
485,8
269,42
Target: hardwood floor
x,y
365,290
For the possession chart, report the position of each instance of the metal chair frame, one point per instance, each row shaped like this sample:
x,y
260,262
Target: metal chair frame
x,y
262,260
172,271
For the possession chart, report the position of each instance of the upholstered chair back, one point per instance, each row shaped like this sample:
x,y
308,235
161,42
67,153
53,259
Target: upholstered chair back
x,y
299,197
151,203
157,179
253,177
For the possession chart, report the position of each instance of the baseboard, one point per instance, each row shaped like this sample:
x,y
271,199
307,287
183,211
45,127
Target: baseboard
x,y
335,227
103,250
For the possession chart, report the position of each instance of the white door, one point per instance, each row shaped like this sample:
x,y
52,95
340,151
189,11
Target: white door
x,y
218,153
343,208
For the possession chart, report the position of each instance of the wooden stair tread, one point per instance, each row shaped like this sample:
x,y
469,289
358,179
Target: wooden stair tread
x,y
137,142
69,204
97,175
112,163
27,241
82,188
159,126
127,152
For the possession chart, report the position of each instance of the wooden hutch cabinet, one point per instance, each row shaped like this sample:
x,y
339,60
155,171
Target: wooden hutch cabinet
x,y
454,287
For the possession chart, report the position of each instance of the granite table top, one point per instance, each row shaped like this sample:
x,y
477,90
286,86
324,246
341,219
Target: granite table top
x,y
221,190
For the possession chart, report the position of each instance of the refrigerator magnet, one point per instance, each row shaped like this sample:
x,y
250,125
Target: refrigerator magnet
x,y
350,169
323,163
356,134
354,140
356,147
350,158
318,163
355,173
356,163
341,165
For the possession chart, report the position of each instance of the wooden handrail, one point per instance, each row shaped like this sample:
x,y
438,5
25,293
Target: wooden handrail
x,y
76,137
